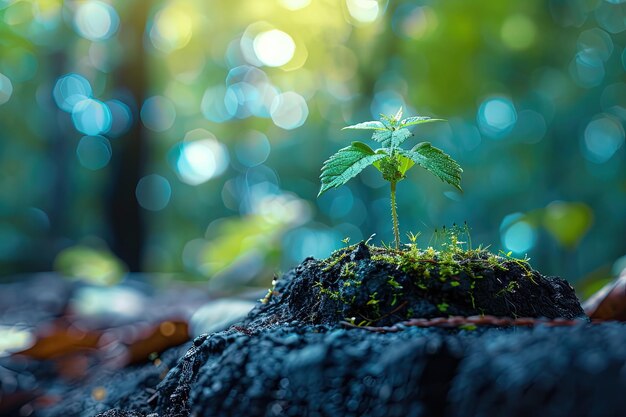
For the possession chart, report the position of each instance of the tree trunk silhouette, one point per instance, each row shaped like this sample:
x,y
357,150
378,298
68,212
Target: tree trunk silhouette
x,y
124,215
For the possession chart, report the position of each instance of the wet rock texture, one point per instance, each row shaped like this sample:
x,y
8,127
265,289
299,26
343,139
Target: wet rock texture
x,y
293,357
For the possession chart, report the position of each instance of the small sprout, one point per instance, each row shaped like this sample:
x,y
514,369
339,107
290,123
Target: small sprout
x,y
267,297
346,240
468,326
413,237
373,301
455,283
390,159
394,300
443,307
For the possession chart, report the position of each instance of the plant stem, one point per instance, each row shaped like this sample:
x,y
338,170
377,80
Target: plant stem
x,y
394,215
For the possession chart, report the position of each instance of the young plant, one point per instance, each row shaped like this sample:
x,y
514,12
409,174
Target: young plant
x,y
391,160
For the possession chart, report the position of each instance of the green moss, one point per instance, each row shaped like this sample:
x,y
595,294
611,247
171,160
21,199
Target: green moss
x,y
444,278
511,287
348,270
394,283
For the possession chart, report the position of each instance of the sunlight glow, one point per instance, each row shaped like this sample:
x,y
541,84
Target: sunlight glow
x,y
364,11
171,29
294,4
274,48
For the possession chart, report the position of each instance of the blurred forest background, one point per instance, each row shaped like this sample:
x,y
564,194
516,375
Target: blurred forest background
x,y
185,137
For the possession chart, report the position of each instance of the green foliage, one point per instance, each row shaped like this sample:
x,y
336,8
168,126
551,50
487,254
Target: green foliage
x,y
391,160
346,164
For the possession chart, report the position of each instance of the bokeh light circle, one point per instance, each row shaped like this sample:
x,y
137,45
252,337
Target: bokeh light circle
x,y
496,117
602,138
518,32
153,192
363,11
93,152
289,110
171,29
6,89
596,41
274,48
213,106
91,117
520,237
587,69
158,113
71,89
122,118
96,21
200,160
252,149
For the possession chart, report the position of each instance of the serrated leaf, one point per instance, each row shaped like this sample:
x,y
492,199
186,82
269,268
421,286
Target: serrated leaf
x,y
436,161
391,138
373,125
417,120
346,164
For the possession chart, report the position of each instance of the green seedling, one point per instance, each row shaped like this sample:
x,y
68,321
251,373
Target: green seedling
x,y
390,159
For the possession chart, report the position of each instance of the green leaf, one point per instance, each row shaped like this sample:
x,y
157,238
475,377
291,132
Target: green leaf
x,y
373,125
404,164
436,161
418,120
391,138
364,147
346,164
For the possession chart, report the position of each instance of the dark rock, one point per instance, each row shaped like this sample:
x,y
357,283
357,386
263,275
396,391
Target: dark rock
x,y
360,252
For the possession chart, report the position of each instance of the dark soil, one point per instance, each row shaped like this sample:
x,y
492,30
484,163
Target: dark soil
x,y
294,356
370,285
321,371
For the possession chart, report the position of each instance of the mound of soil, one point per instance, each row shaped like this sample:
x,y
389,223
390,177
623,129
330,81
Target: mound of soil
x,y
374,286
294,356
